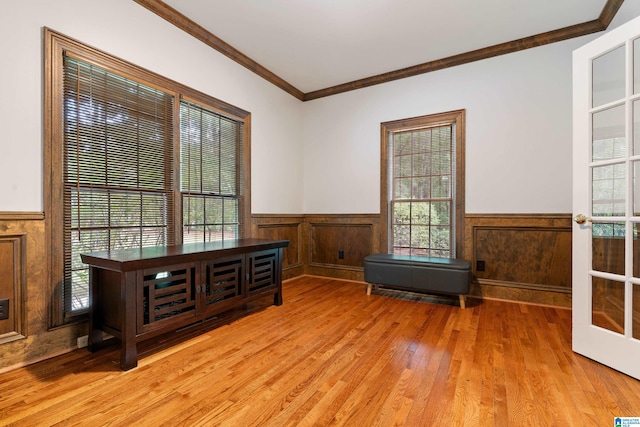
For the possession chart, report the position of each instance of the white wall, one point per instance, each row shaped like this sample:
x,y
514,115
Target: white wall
x,y
127,30
518,139
321,156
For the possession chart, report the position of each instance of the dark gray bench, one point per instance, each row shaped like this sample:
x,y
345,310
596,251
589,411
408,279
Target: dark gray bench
x,y
419,274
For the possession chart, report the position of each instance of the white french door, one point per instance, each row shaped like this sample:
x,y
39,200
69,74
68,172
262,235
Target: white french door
x,y
606,199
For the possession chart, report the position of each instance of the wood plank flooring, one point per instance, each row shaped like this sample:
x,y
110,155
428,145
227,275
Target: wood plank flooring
x,y
331,355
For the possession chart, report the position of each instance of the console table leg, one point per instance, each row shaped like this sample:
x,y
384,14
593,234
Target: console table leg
x,y
129,352
95,321
95,340
128,357
277,298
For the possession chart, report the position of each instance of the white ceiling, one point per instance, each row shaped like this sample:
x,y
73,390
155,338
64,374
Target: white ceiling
x,y
315,44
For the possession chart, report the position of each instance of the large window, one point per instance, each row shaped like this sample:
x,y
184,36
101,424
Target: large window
x,y
423,185
132,159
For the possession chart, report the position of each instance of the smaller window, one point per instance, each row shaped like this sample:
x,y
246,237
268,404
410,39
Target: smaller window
x,y
422,191
210,174
422,185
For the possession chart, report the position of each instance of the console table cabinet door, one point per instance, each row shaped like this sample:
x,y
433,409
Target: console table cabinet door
x,y
222,286
262,275
166,295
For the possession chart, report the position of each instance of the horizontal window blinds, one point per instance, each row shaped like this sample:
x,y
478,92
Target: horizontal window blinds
x,y
210,174
422,190
118,168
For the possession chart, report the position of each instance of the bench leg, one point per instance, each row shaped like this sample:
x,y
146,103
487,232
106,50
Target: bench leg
x,y
368,288
463,300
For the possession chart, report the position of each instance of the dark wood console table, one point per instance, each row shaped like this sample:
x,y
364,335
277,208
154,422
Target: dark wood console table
x,y
136,294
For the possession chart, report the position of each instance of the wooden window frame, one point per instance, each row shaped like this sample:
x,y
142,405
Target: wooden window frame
x,y
55,46
457,117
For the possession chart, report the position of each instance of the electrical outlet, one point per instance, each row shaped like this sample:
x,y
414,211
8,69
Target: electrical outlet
x,y
341,254
4,309
480,265
83,341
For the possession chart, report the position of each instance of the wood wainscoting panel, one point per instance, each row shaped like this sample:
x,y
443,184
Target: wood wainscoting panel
x,y
526,257
316,242
283,227
22,245
338,244
12,286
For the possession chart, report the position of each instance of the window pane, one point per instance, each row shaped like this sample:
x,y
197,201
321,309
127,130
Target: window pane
x,y
402,144
192,210
213,233
441,213
441,187
403,166
402,188
193,233
230,211
420,236
213,210
441,162
420,164
402,213
402,235
420,213
440,237
231,232
421,188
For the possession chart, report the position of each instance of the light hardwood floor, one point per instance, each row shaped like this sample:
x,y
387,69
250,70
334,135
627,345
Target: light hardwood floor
x,y
331,355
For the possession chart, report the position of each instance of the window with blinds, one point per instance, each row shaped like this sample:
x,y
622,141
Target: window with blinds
x,y
422,164
117,168
129,168
210,174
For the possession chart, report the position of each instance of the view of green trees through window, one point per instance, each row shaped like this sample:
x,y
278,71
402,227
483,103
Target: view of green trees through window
x,y
119,168
210,146
422,191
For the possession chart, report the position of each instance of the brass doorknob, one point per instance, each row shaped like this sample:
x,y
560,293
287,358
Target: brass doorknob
x,y
581,219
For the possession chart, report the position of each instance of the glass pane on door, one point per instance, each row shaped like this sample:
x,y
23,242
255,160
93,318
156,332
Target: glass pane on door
x,y
608,247
636,311
636,249
636,66
636,127
608,190
608,137
608,77
607,308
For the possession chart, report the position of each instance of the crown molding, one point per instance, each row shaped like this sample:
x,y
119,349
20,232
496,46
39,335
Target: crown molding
x,y
174,17
179,20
